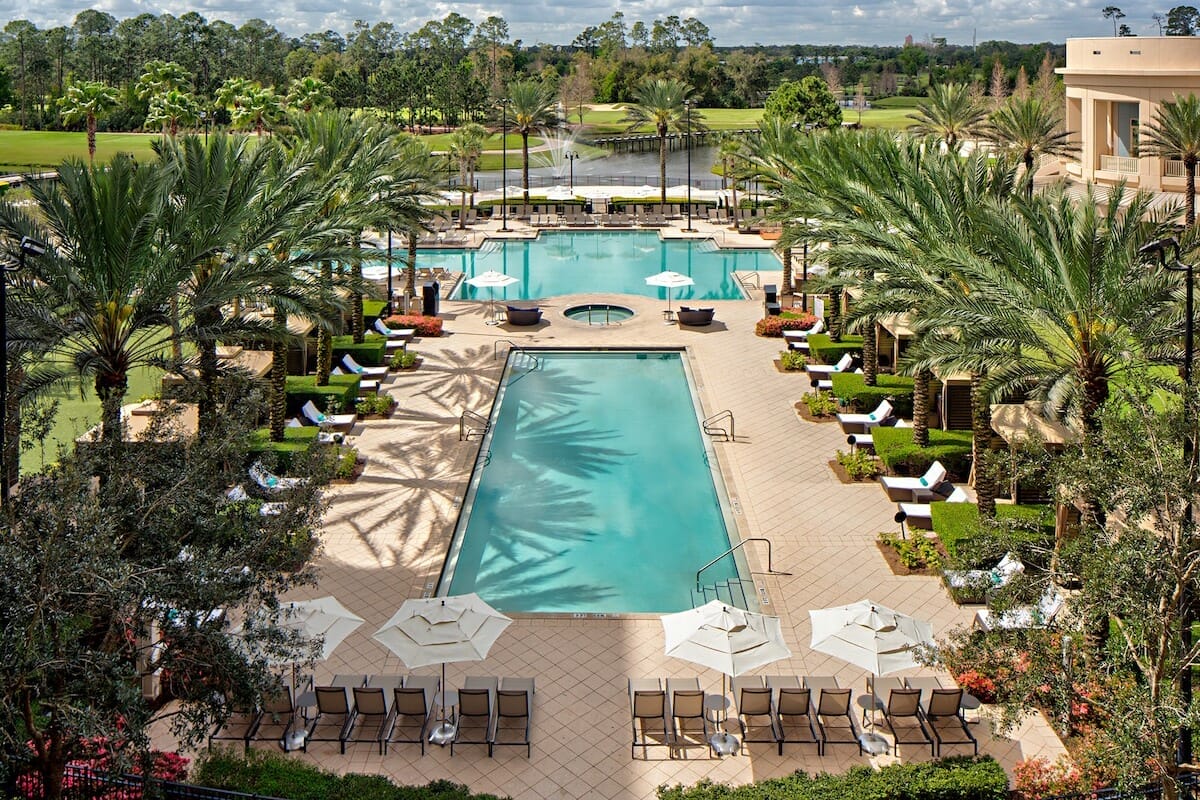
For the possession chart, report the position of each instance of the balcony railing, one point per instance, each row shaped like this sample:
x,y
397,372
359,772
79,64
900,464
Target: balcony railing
x,y
1173,168
1123,164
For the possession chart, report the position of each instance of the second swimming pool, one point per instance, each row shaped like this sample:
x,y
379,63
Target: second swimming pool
x,y
595,490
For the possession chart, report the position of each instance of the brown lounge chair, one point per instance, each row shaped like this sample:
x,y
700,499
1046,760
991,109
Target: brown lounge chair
x,y
514,712
833,706
689,726
476,713
793,711
943,712
695,316
756,711
523,316
412,711
901,709
648,703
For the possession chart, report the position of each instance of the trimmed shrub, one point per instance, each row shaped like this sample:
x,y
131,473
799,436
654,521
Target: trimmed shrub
x,y
295,440
896,450
370,353
793,360
820,404
859,465
372,309
263,772
851,390
775,326
961,778
342,390
958,523
826,350
402,360
424,326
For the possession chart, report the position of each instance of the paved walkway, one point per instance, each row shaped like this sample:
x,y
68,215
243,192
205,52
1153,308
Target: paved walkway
x,y
386,536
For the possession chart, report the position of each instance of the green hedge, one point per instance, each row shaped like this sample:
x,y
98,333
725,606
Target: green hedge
x,y
370,353
296,442
850,389
302,388
372,309
957,523
263,772
958,778
897,452
830,352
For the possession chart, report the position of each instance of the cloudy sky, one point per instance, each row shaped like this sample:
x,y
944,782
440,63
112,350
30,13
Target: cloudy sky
x,y
731,22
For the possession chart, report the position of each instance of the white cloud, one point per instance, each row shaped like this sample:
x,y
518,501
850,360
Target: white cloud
x,y
731,22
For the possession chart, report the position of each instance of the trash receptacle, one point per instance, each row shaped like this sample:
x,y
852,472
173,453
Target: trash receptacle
x,y
429,299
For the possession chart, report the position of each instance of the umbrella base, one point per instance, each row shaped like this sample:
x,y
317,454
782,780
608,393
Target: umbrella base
x,y
295,740
873,743
724,744
443,733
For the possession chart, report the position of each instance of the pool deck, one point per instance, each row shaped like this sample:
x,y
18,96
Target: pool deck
x,y
386,536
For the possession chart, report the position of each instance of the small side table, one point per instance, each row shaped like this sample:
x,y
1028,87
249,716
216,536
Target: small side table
x,y
668,316
969,702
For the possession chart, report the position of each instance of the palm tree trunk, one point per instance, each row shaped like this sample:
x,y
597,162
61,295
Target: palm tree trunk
x,y
921,407
788,288
981,433
279,350
357,323
207,367
462,196
111,388
91,138
12,420
525,166
324,336
176,341
1029,173
1189,213
662,164
870,351
833,315
410,271
733,211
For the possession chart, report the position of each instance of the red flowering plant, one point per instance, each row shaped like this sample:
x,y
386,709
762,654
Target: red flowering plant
x,y
424,326
98,757
775,326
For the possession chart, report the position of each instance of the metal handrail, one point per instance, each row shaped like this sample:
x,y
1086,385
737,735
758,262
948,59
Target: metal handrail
x,y
708,422
514,346
770,567
465,433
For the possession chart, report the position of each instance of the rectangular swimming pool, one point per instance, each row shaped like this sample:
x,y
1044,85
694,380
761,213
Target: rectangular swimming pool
x,y
595,490
559,262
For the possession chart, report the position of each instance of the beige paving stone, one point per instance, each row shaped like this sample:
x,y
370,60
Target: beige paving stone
x,y
387,534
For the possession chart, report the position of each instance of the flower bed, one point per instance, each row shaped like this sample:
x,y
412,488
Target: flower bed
x,y
424,326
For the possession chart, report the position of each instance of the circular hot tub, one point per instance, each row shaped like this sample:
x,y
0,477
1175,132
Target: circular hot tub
x,y
599,313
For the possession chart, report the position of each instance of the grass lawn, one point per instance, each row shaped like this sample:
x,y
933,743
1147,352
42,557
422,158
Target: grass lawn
x,y
608,122
23,151
79,411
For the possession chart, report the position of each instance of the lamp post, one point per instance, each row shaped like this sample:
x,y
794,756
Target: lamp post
x,y
504,164
204,119
1159,248
28,247
687,105
571,155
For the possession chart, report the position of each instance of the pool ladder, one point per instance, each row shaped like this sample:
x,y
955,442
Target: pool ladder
x,y
471,424
534,362
733,589
711,427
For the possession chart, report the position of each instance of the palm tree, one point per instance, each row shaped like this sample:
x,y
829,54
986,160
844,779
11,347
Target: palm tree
x,y
952,113
257,109
95,300
230,93
772,155
660,103
309,94
531,106
161,76
86,101
732,151
466,146
172,109
1030,129
1175,133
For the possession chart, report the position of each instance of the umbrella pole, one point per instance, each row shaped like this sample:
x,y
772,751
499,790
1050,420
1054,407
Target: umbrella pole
x,y
445,730
722,741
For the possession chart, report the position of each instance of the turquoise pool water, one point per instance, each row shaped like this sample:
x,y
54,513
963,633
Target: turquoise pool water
x,y
559,263
595,491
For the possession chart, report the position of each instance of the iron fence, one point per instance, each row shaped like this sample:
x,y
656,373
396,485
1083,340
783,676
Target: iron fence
x,y
82,783
1187,791
486,182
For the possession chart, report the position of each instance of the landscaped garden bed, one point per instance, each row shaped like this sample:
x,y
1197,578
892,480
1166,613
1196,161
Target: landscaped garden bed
x,y
852,392
791,361
774,326
817,407
896,450
424,326
823,348
856,467
335,397
915,555
369,353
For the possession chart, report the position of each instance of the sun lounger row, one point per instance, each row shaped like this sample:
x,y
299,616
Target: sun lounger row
x,y
920,711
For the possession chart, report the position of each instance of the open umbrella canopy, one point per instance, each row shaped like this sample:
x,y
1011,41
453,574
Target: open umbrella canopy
x,y
441,630
323,617
492,279
560,193
724,638
671,280
870,636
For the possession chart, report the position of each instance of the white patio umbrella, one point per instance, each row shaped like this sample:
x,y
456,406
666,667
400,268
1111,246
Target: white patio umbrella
x,y
871,636
431,630
724,638
670,280
491,279
560,193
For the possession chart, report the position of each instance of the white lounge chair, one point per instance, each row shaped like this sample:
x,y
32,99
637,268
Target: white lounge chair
x,y
272,483
341,422
363,385
920,515
855,422
271,509
1039,616
394,333
915,487
827,383
1001,575
355,368
821,370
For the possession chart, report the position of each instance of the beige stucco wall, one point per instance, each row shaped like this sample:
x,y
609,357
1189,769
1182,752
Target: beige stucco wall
x,y
1142,70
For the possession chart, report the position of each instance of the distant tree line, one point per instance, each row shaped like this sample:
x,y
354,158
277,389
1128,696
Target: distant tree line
x,y
448,71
